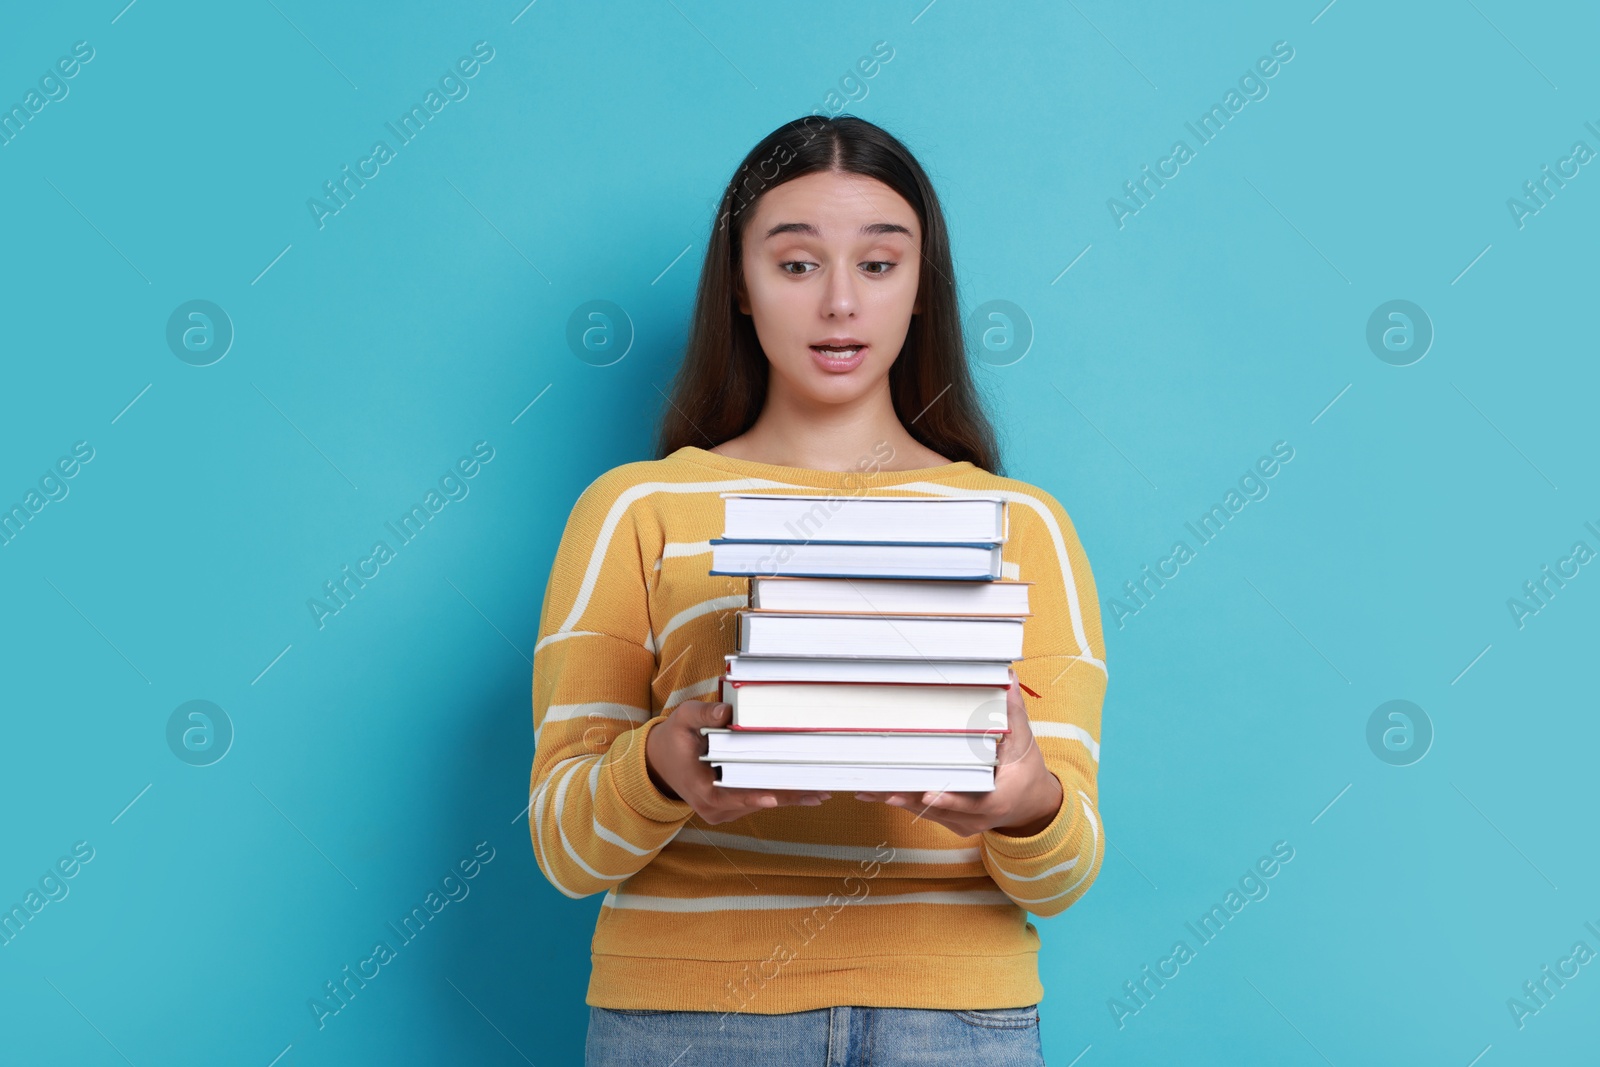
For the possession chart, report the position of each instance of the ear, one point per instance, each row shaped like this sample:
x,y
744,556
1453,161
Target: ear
x,y
739,294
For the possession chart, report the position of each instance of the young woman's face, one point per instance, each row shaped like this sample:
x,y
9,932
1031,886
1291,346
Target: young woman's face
x,y
831,263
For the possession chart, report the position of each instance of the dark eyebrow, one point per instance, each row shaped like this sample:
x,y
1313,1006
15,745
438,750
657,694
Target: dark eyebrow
x,y
871,229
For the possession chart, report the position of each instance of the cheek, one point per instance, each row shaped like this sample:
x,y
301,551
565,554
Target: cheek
x,y
781,312
896,295
900,295
888,310
764,292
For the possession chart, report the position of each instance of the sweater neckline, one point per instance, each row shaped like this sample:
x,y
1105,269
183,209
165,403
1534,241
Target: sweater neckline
x,y
823,479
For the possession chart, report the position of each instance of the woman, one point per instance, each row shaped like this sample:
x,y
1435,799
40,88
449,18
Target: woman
x,y
758,926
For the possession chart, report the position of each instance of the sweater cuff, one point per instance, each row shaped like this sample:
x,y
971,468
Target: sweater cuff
x,y
1047,841
630,776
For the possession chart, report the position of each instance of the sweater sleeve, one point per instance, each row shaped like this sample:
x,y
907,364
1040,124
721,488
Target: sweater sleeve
x,y
1064,663
594,815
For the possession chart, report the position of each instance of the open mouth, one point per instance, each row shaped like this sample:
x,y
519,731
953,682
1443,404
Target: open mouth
x,y
839,352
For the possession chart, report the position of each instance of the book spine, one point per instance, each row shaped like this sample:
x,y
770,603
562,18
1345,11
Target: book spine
x,y
822,541
1001,686
866,730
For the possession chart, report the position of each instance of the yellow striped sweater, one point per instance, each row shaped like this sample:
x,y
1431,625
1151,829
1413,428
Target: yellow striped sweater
x,y
792,908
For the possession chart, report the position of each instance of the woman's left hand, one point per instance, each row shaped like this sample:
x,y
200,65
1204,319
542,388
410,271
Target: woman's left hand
x,y
1025,798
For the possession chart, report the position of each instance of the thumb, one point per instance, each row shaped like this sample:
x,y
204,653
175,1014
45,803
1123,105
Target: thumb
x,y
712,714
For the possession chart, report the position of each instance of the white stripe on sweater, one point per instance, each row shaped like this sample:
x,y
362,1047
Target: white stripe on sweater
x,y
1067,731
536,806
1094,849
564,634
605,709
705,607
555,816
683,548
1057,869
694,692
619,508
604,833
640,902
741,843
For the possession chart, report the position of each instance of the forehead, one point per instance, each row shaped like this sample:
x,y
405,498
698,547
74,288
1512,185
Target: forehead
x,y
831,205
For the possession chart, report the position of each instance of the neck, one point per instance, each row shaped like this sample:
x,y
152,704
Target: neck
x,y
793,432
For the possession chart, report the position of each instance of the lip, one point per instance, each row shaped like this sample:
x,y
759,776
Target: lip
x,y
840,366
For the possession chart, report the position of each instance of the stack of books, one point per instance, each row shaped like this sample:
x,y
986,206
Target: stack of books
x,y
876,649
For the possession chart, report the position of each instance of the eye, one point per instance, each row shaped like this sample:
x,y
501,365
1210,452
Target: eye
x,y
885,264
784,267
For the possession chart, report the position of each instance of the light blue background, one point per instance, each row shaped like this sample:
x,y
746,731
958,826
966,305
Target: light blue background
x,y
373,754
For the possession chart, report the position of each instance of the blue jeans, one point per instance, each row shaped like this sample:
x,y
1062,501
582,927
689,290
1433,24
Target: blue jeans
x,y
825,1037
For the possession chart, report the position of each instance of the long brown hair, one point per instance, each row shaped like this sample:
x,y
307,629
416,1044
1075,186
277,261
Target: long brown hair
x,y
721,384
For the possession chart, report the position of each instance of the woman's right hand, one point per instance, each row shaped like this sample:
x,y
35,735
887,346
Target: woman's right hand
x,y
672,756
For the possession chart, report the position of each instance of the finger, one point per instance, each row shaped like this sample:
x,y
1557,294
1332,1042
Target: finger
x,y
916,802
962,803
774,798
919,809
800,796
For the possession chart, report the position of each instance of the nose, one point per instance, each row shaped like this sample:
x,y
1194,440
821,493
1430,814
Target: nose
x,y
840,298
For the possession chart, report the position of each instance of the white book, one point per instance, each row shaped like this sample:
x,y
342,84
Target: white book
x,y
780,633
975,561
811,706
812,517
848,746
861,776
742,667
903,596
